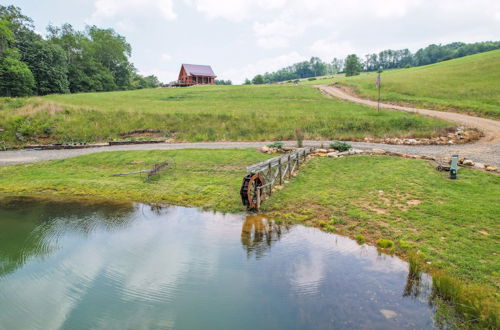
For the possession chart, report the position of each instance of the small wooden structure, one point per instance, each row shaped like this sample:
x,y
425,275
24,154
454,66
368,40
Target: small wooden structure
x,y
194,74
258,183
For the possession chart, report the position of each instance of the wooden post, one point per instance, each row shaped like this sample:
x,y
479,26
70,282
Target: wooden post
x,y
270,175
289,167
280,172
259,191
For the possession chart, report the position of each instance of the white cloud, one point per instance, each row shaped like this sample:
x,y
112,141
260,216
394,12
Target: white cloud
x,y
328,49
166,57
124,10
270,64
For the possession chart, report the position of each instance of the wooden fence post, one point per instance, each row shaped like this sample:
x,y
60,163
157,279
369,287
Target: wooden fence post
x,y
280,172
270,175
289,167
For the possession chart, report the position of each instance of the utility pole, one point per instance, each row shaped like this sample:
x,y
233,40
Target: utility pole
x,y
378,87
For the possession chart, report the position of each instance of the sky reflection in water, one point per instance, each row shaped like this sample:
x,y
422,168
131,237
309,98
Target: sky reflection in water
x,y
79,265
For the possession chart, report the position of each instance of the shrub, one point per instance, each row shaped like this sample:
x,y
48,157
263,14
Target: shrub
x,y
322,223
360,239
340,146
311,79
385,243
276,145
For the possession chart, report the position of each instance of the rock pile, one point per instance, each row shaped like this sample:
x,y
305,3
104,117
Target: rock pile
x,y
460,136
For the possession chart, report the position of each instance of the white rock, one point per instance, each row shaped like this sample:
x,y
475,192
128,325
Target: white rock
x,y
264,149
388,314
468,162
355,151
479,165
332,154
321,151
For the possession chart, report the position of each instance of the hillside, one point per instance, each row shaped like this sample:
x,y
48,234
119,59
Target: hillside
x,y
202,113
468,84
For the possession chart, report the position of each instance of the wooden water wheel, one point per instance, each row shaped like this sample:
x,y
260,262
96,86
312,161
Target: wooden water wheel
x,y
250,193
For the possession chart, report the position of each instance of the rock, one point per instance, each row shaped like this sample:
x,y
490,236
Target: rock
x,y
20,137
2,130
332,154
479,165
264,149
491,168
355,152
288,148
388,314
378,151
343,153
331,150
321,151
411,141
322,154
468,162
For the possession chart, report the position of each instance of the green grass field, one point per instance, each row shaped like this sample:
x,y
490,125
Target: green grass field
x,y
468,84
453,223
203,113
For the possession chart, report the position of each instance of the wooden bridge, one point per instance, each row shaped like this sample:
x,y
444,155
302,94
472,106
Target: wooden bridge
x,y
262,177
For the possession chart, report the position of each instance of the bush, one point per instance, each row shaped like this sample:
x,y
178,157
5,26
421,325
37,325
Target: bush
x,y
385,243
276,145
360,239
311,79
340,146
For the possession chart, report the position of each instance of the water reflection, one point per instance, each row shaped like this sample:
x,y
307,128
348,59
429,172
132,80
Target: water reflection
x,y
29,227
129,266
258,234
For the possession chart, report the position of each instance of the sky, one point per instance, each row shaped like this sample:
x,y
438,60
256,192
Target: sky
x,y
242,38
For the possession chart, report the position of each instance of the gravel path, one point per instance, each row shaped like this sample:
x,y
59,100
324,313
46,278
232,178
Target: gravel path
x,y
487,150
31,156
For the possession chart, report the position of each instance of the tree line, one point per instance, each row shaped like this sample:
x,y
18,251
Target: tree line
x,y
66,61
387,59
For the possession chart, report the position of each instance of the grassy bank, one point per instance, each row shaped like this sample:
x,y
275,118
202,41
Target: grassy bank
x,y
203,113
201,178
401,204
468,84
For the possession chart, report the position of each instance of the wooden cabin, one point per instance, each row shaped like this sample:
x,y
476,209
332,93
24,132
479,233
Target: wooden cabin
x,y
193,74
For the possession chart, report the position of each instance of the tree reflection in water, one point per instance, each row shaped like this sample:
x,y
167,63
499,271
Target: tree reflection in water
x,y
30,227
258,234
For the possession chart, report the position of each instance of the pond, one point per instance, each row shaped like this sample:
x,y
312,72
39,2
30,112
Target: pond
x,y
86,264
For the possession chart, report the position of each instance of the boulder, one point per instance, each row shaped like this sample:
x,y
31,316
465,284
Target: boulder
x,y
491,168
332,154
378,151
355,152
468,162
264,149
479,165
321,151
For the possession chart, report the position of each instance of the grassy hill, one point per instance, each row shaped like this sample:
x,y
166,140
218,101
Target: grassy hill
x,y
202,113
468,84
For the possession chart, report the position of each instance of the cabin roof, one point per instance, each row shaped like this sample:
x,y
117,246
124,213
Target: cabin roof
x,y
198,70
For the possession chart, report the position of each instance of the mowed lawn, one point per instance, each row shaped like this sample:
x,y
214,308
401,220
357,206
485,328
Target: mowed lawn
x,y
468,84
454,224
204,113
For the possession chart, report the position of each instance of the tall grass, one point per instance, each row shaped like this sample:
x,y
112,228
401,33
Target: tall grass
x,y
209,113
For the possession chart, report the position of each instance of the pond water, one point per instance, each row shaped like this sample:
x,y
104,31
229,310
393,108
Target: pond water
x,y
82,265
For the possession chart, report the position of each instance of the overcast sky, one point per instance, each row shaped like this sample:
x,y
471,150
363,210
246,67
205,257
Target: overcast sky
x,y
241,38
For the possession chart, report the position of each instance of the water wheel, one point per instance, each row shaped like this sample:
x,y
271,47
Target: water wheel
x,y
250,193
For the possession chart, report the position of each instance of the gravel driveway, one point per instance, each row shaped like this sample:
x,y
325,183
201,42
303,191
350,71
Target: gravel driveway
x,y
467,150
